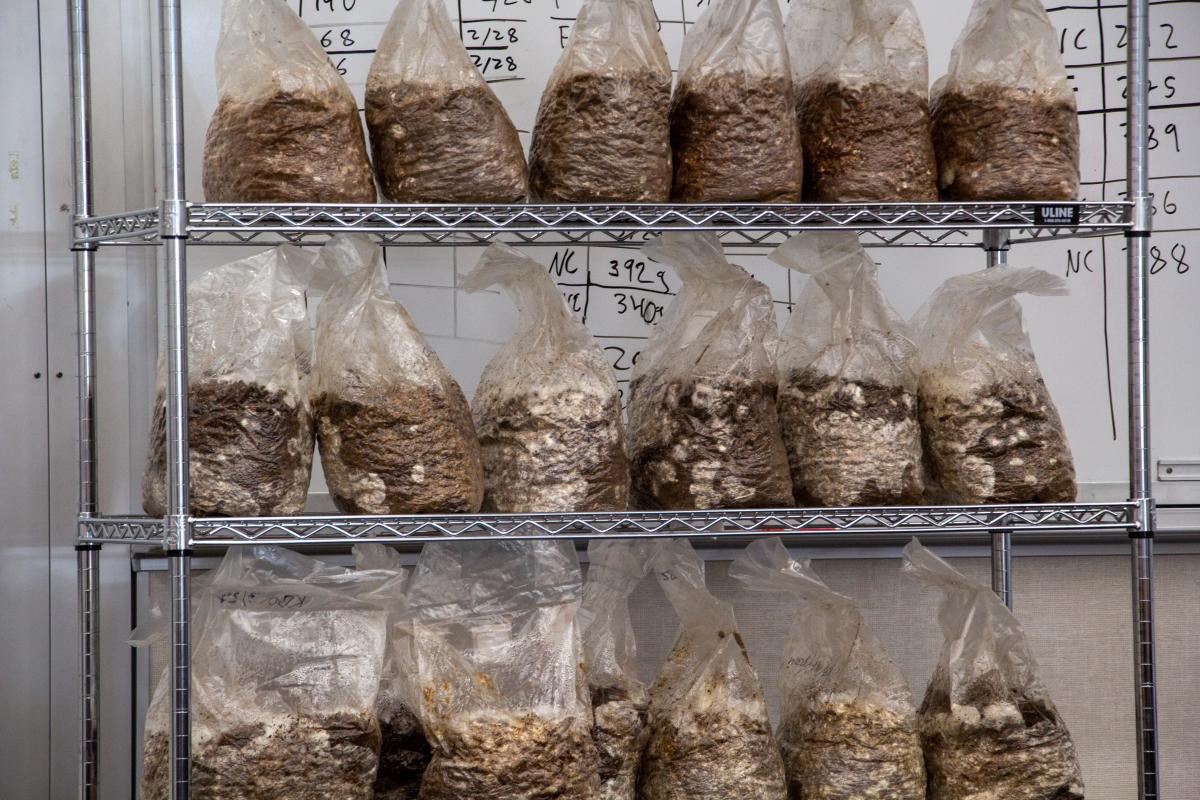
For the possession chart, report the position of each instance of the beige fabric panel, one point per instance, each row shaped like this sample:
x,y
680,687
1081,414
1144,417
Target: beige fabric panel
x,y
1076,611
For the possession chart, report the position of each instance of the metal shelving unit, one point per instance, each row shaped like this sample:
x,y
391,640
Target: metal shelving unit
x,y
177,224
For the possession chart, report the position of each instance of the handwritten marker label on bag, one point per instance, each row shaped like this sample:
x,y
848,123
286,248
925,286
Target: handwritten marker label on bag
x,y
1056,216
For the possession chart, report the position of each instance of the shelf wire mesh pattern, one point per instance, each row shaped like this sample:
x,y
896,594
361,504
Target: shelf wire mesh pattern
x,y
634,524
945,224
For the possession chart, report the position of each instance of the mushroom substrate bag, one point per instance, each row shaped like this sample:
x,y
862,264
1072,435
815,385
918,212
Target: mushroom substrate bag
x,y
849,724
734,132
861,72
992,434
286,660
1005,124
710,737
847,381
438,132
547,408
502,692
988,724
602,133
620,701
394,429
704,430
286,128
403,748
250,437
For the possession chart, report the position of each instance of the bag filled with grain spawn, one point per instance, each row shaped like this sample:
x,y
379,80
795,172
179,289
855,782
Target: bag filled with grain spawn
x,y
704,430
988,725
1005,125
250,436
286,660
733,126
403,748
502,688
602,134
394,429
286,128
848,381
862,81
710,738
620,701
547,407
438,131
849,724
992,434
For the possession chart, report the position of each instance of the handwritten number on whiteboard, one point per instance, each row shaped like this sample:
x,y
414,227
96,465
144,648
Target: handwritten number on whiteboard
x,y
1170,33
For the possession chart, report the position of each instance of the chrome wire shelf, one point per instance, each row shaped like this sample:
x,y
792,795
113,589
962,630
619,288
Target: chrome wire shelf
x,y
325,529
920,224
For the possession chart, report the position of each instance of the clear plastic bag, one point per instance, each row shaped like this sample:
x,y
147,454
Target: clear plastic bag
x,y
710,737
394,428
503,694
620,701
403,750
286,660
547,409
988,724
848,381
250,436
438,132
602,133
286,128
704,429
862,82
1005,125
849,725
734,131
991,431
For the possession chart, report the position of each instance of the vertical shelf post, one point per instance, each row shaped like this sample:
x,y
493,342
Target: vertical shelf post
x,y
996,245
173,234
87,554
1140,476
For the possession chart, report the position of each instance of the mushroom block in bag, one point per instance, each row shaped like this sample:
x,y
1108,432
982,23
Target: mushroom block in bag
x,y
849,723
547,408
394,429
704,429
710,738
286,660
286,128
1004,117
438,131
988,724
862,81
733,127
602,134
403,748
991,431
250,437
848,381
620,701
503,694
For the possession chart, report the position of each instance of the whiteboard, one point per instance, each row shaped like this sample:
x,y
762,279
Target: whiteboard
x,y
1079,339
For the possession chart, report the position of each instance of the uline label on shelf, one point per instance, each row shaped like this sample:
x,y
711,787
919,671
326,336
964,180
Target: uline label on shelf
x,y
1057,216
